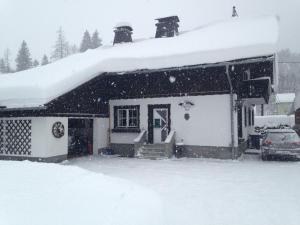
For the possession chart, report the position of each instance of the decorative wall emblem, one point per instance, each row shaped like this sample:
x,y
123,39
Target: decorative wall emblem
x,y
58,130
186,116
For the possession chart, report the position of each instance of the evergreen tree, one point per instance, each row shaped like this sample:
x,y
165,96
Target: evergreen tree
x,y
86,42
61,47
2,66
23,59
6,59
35,63
96,41
234,12
45,60
73,49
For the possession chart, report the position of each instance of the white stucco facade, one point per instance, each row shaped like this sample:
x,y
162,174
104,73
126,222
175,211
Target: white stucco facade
x,y
42,142
209,123
100,134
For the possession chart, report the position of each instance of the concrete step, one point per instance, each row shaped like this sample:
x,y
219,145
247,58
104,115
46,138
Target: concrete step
x,y
152,157
162,154
157,145
152,149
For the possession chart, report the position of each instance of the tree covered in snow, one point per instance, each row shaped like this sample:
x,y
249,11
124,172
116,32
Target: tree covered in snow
x,y
86,42
61,47
45,60
2,66
234,12
289,71
35,63
6,59
96,41
73,49
23,60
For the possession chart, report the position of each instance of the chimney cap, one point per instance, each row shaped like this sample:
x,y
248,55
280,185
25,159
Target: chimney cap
x,y
169,19
124,25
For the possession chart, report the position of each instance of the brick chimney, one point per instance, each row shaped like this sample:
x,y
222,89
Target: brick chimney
x,y
167,27
123,32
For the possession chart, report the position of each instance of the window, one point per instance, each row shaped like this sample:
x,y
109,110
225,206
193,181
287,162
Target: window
x,y
245,116
249,117
126,118
252,117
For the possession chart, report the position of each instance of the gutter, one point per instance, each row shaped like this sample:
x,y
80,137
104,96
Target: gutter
x,y
231,113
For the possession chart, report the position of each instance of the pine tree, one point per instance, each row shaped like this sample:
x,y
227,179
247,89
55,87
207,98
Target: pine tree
x,y
6,59
73,49
23,59
96,41
86,42
35,63
234,12
45,60
61,48
2,66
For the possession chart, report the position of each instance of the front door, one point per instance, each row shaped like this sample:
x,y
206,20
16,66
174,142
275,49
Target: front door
x,y
159,123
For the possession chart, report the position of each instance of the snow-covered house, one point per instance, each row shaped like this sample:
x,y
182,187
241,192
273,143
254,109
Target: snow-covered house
x,y
193,91
279,104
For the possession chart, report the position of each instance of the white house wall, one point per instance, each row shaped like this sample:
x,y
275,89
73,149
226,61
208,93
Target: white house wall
x,y
100,134
43,144
209,123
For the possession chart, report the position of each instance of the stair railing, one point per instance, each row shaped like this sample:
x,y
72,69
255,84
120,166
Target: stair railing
x,y
139,141
170,143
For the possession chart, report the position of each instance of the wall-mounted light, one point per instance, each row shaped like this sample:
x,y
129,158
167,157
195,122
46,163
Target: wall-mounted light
x,y
186,105
238,103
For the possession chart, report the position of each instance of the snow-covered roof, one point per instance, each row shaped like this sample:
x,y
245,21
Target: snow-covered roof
x,y
285,98
221,41
296,103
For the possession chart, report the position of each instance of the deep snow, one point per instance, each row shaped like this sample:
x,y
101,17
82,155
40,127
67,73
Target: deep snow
x,y
52,194
213,192
176,192
221,41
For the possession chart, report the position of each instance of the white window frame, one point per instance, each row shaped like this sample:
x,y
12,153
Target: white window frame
x,y
127,110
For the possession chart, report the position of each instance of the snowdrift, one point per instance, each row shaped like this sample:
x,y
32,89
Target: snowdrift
x,y
48,194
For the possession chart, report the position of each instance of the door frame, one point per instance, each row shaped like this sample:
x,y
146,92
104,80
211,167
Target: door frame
x,y
150,119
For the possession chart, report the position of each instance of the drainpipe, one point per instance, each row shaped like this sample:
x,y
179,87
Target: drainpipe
x,y
231,112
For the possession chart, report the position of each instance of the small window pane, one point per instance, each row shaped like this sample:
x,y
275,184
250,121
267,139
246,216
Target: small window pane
x,y
133,122
122,114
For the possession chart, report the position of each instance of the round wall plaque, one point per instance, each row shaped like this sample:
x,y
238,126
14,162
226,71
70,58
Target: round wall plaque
x,y
186,116
58,130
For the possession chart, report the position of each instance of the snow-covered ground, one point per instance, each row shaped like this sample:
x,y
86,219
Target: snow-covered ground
x,y
94,190
216,192
52,194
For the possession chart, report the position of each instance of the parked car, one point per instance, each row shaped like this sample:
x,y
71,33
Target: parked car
x,y
280,143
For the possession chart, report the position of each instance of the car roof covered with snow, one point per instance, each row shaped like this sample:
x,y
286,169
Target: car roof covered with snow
x,y
235,38
285,130
285,97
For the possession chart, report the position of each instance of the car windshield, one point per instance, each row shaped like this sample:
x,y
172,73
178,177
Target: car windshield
x,y
283,137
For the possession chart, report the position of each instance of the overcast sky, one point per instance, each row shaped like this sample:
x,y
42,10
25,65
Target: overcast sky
x,y
37,21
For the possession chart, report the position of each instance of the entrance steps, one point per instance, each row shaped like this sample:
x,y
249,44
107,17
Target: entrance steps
x,y
144,150
152,151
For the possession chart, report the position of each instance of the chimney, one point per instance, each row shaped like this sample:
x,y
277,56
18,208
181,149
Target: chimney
x,y
167,27
123,32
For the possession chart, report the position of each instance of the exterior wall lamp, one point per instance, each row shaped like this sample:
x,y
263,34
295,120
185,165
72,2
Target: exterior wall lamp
x,y
186,105
238,103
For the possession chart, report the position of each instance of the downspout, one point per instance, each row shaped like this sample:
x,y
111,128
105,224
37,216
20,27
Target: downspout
x,y
231,112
